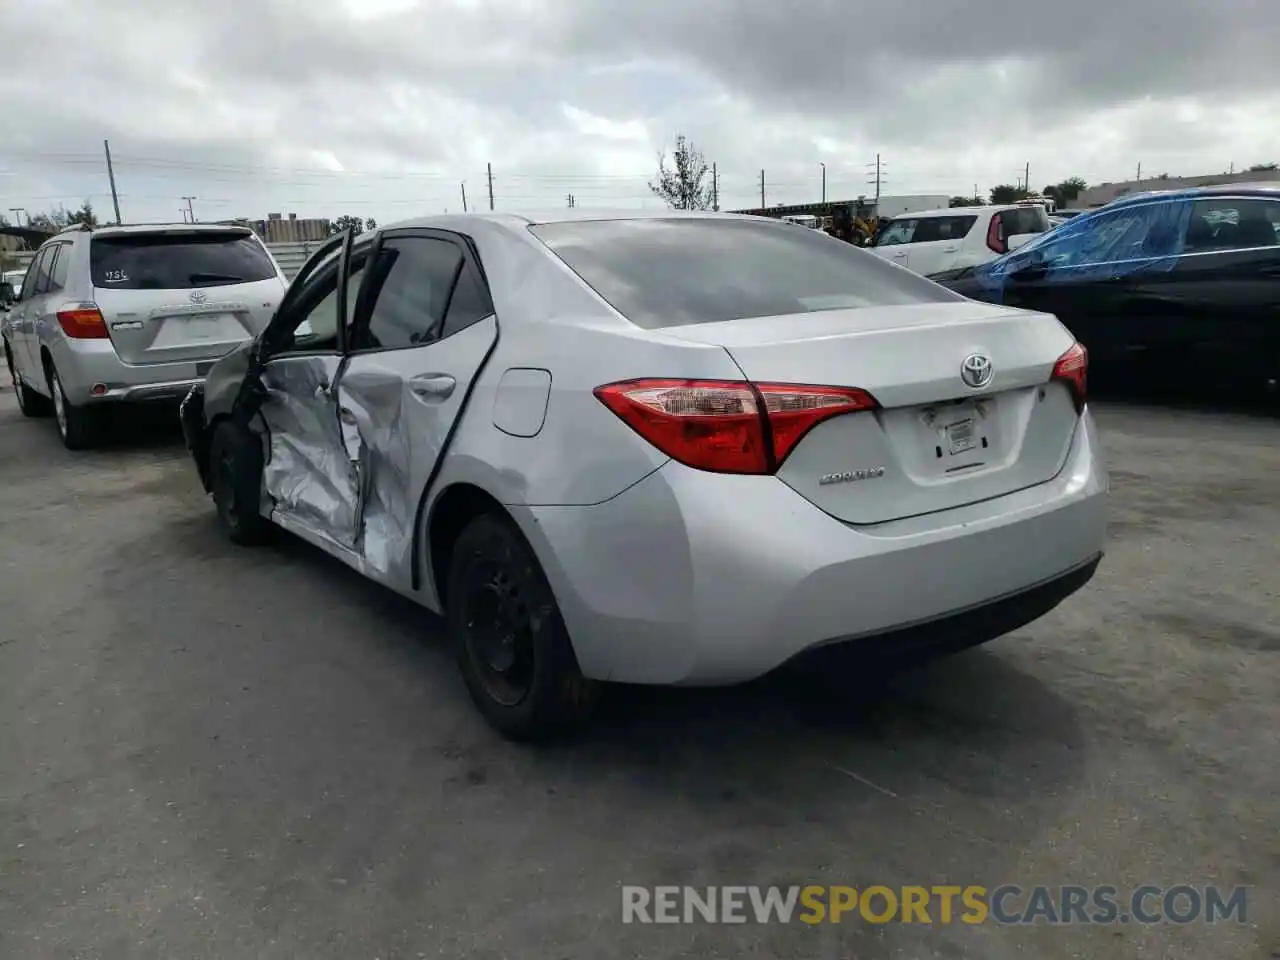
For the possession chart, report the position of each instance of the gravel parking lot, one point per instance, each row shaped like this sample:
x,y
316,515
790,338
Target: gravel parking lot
x,y
208,751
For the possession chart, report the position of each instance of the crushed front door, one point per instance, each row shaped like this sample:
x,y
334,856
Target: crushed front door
x,y
308,474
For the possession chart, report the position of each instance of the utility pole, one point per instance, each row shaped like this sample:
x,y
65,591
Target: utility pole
x,y
1139,170
190,211
715,188
570,198
111,175
1026,177
464,196
877,179
490,167
183,211
762,206
824,180
17,212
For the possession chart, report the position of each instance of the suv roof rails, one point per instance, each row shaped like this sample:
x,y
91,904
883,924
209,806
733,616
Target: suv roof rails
x,y
75,227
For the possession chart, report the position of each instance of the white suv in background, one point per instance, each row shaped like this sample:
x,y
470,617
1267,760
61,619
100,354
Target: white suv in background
x,y
129,314
937,240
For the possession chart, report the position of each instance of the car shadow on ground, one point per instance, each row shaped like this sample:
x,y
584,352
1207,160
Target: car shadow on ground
x,y
973,720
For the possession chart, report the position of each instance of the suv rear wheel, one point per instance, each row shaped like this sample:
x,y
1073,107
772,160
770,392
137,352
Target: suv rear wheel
x,y
79,427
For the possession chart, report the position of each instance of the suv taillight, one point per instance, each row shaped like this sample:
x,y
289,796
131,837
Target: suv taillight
x,y
728,426
83,322
996,241
1072,369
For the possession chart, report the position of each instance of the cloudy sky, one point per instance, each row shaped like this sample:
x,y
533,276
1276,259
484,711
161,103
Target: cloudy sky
x,y
385,108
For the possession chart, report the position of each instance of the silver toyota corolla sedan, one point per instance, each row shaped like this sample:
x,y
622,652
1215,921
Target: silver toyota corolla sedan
x,y
658,448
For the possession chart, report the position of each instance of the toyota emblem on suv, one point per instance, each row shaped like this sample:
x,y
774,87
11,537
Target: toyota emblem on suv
x,y
199,296
976,370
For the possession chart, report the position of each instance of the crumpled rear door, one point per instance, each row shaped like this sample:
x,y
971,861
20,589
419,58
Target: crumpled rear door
x,y
308,473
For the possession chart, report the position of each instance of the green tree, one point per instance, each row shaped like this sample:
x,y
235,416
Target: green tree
x,y
84,215
50,222
683,184
1007,193
966,202
1065,193
1263,168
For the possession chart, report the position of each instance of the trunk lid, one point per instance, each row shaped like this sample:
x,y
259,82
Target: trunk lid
x,y
935,443
182,294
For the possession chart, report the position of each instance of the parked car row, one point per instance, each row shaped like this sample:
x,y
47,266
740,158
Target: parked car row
x,y
663,448
1184,285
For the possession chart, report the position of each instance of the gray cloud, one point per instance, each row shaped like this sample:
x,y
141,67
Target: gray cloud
x,y
337,106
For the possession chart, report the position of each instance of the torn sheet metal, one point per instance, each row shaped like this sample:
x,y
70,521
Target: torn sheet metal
x,y
377,437
307,473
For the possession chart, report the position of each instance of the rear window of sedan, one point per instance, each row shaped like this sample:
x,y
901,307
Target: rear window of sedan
x,y
177,261
670,272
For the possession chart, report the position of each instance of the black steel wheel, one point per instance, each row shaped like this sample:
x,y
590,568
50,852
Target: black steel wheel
x,y
509,638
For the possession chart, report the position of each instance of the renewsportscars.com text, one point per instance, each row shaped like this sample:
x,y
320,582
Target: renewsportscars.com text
x,y
937,904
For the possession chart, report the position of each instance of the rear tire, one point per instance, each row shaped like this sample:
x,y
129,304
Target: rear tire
x,y
79,427
235,480
30,402
509,638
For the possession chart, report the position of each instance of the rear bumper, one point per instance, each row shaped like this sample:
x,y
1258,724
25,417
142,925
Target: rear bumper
x,y
695,578
86,364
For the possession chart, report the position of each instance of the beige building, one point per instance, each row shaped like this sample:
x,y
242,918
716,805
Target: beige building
x,y
1103,193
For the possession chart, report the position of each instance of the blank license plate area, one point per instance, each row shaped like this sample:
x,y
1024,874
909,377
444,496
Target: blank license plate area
x,y
201,328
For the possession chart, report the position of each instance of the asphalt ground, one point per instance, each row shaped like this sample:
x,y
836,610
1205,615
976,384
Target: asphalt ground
x,y
208,751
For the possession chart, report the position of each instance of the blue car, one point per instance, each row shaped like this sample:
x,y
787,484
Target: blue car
x,y
1180,283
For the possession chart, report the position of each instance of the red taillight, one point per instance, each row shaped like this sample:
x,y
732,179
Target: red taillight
x,y
1072,369
995,235
83,323
727,426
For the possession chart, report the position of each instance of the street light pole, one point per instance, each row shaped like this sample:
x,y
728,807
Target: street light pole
x,y
824,180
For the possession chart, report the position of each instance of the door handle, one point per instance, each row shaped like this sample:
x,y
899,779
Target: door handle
x,y
950,249
436,386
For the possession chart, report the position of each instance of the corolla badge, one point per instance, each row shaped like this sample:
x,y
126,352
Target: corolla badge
x,y
199,296
976,370
851,476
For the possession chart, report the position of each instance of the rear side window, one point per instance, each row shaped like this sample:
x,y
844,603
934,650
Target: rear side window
x,y
930,229
1020,220
1233,223
412,279
670,272
177,261
58,275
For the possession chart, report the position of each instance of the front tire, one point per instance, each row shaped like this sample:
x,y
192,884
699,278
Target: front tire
x,y
79,427
235,479
509,638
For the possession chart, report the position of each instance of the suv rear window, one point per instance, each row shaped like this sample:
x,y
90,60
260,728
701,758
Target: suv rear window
x,y
177,261
1029,219
671,272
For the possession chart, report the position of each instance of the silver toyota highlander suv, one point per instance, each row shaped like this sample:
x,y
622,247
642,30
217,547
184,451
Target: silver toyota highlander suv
x,y
132,313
